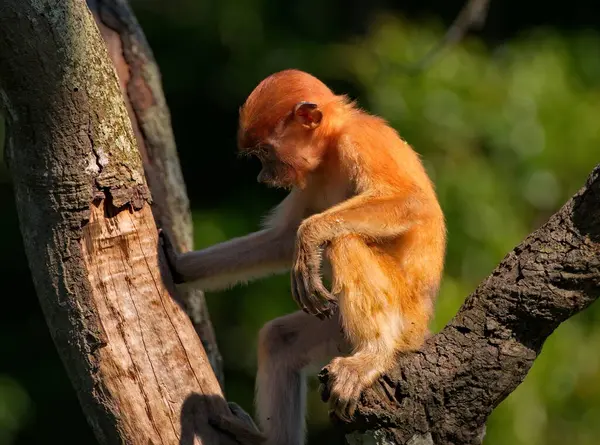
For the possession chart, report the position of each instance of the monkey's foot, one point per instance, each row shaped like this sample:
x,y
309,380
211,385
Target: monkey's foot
x,y
347,378
239,425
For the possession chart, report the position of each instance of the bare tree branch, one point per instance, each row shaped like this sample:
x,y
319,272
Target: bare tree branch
x,y
444,393
140,81
471,16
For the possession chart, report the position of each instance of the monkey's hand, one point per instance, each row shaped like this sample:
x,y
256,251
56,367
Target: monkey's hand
x,y
307,286
171,256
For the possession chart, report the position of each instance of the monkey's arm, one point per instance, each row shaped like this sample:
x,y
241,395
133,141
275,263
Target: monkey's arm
x,y
237,260
244,258
374,218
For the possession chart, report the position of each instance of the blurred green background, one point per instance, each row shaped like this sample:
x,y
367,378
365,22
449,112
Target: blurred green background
x,y
508,126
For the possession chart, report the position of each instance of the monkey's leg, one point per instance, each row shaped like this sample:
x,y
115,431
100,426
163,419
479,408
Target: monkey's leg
x,y
381,314
287,345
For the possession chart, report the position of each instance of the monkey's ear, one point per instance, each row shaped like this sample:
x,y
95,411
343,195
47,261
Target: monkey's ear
x,y
308,114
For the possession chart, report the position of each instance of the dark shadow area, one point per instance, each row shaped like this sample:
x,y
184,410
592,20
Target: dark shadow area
x,y
229,430
48,404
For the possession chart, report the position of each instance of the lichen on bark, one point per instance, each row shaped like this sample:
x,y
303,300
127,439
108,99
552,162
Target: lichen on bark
x,y
140,81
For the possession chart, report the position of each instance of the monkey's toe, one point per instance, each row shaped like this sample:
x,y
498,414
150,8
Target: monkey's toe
x,y
345,387
344,409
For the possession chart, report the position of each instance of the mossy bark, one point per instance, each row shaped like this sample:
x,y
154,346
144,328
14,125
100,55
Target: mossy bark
x,y
140,81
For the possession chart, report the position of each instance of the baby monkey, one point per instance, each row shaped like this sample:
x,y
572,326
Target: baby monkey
x,y
361,210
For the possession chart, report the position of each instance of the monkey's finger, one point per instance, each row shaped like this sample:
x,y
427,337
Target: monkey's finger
x,y
170,256
298,290
323,312
301,296
321,315
330,309
326,302
317,307
294,288
308,298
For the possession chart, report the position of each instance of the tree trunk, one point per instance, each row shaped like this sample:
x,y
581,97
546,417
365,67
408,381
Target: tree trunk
x,y
139,78
133,356
444,393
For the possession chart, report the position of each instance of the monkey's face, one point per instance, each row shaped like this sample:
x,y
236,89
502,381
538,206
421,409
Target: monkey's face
x,y
289,149
275,171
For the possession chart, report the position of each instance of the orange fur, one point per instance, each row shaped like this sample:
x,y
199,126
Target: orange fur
x,y
363,209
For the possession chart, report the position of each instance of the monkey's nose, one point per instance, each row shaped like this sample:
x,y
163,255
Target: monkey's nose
x,y
263,176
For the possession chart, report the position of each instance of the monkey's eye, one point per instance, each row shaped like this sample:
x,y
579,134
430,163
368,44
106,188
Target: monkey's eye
x,y
262,150
266,147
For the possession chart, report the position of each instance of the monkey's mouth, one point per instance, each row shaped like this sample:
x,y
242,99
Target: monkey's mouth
x,y
275,174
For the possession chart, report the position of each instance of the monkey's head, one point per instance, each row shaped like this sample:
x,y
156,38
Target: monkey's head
x,y
288,122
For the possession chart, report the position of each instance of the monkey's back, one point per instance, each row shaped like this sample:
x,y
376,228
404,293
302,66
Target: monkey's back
x,y
410,263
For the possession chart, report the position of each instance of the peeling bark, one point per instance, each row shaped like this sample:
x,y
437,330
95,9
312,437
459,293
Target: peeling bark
x,y
140,82
133,356
444,393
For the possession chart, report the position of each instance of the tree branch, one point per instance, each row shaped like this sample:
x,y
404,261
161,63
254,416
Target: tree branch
x,y
444,393
472,15
133,356
139,78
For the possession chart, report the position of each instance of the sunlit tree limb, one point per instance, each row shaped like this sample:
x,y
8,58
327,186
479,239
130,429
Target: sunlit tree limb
x,y
444,393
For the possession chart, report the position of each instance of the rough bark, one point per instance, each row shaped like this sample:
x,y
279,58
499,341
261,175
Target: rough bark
x,y
139,78
444,393
133,356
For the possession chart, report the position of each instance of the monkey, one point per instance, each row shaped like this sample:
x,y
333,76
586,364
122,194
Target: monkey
x,y
361,211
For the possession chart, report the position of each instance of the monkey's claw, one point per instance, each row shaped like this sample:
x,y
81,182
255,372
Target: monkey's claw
x,y
307,286
345,383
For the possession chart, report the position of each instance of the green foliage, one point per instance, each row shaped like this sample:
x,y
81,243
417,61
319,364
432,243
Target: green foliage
x,y
14,408
508,136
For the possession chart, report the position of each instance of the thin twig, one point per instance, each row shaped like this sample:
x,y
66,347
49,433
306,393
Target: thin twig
x,y
471,16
